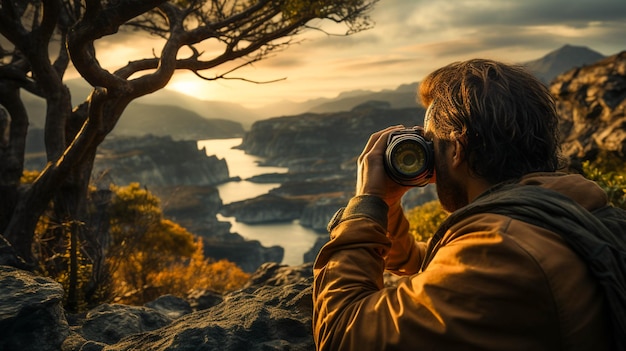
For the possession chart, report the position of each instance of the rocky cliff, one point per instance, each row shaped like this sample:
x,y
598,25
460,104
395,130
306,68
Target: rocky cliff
x,y
323,142
157,161
195,207
592,103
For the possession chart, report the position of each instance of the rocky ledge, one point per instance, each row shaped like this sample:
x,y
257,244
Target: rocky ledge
x,y
157,161
272,312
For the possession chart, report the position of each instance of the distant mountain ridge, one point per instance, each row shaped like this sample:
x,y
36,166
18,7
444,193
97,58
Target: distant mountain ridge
x,y
405,96
186,117
546,68
562,60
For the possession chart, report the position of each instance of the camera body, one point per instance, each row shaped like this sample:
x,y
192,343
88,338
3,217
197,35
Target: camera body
x,y
409,157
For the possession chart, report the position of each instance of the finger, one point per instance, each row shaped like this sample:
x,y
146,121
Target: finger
x,y
376,137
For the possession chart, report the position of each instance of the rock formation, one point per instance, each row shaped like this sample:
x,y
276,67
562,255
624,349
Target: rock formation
x,y
184,179
157,161
195,208
592,103
265,209
272,312
31,312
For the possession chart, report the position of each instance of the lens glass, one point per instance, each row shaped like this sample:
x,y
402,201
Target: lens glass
x,y
408,158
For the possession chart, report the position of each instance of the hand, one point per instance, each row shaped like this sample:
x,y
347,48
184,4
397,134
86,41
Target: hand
x,y
372,179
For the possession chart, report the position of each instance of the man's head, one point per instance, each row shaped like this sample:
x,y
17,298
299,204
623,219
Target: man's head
x,y
502,117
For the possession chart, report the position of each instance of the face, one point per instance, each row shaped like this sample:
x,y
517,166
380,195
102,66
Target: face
x,y
452,194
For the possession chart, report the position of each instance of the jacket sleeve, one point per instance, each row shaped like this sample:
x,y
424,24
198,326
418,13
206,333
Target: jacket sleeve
x,y
350,267
406,254
441,308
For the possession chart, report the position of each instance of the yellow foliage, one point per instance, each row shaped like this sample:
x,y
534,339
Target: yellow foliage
x,y
28,177
425,219
610,177
143,242
151,256
199,273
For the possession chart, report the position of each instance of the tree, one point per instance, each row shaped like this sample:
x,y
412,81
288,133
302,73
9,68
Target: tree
x,y
143,243
247,31
199,273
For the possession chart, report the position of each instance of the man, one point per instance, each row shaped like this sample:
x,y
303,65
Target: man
x,y
487,280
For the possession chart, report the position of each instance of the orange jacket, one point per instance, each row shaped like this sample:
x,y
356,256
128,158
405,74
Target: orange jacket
x,y
494,283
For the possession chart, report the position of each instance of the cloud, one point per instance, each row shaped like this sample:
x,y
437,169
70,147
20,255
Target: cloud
x,y
411,38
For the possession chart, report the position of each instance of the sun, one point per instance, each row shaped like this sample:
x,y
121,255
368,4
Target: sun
x,y
192,87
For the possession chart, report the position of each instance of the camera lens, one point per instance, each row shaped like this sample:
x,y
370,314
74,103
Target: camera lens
x,y
407,157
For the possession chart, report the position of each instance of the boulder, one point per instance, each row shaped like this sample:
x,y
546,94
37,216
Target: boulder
x,y
109,323
31,312
247,254
275,274
591,101
171,306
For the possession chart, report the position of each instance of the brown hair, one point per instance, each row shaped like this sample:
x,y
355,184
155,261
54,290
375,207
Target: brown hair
x,y
503,116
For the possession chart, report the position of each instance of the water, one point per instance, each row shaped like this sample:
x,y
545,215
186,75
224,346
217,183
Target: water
x,y
295,239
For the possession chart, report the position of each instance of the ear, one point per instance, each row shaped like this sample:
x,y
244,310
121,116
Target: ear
x,y
458,154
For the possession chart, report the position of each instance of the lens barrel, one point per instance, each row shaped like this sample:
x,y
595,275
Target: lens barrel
x,y
409,158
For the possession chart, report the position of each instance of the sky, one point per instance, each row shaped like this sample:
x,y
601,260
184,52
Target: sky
x,y
410,38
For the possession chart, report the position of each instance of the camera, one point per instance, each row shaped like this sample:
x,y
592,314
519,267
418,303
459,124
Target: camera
x,y
409,157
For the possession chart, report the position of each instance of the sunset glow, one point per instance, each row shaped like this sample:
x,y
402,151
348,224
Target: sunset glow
x,y
410,39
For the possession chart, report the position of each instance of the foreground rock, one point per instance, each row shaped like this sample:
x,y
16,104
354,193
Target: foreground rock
x,y
260,317
273,312
31,313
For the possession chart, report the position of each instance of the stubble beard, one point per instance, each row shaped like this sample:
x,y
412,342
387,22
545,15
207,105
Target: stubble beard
x,y
452,194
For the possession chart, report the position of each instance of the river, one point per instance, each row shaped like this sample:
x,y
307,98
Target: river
x,y
295,239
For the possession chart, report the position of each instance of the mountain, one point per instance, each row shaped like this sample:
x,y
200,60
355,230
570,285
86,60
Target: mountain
x,y
141,119
207,109
402,97
545,68
161,120
562,60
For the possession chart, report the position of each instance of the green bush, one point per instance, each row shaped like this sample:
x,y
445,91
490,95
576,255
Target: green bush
x,y
609,178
